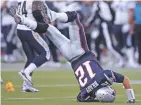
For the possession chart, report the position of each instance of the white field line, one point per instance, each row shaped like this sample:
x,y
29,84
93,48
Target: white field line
x,y
50,97
42,98
70,85
137,101
54,85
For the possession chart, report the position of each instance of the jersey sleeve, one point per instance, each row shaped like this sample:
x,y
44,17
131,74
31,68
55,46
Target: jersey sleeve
x,y
118,77
114,76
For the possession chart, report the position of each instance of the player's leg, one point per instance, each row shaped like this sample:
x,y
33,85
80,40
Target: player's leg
x,y
65,46
109,43
29,52
70,48
98,41
77,38
9,33
41,47
60,41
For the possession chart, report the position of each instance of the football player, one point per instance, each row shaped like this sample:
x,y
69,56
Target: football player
x,y
35,47
93,80
32,42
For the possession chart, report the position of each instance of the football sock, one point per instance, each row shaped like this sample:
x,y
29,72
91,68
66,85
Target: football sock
x,y
30,68
130,94
24,83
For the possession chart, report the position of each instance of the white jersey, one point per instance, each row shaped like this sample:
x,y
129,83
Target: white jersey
x,y
25,9
121,11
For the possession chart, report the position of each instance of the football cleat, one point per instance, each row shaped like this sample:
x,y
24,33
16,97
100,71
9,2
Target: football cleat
x,y
29,89
131,101
26,77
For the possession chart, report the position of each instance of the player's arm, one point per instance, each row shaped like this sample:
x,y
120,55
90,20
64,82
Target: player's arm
x,y
36,26
129,90
119,78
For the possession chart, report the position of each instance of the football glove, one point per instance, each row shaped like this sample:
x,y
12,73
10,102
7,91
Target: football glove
x,y
71,16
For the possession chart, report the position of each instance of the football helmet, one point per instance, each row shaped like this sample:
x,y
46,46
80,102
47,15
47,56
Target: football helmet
x,y
105,94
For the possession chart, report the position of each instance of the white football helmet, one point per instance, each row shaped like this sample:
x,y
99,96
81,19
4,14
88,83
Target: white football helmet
x,y
105,94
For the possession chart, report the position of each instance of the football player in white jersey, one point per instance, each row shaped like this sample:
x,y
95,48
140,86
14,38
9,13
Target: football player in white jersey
x,y
35,47
121,30
31,41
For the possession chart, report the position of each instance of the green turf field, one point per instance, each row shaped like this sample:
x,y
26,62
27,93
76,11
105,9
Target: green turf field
x,y
59,88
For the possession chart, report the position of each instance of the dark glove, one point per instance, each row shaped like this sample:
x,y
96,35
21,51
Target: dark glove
x,y
72,15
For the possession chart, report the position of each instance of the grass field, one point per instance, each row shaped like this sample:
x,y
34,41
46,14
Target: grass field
x,y
59,88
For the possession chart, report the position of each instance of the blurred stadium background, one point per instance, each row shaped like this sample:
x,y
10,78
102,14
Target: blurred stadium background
x,y
55,78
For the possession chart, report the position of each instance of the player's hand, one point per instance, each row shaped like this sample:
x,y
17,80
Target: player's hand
x,y
131,101
12,11
19,19
72,15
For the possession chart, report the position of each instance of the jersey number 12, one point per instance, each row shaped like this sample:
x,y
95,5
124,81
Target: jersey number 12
x,y
81,71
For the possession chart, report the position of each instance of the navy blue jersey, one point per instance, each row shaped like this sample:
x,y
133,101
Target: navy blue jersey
x,y
87,70
91,76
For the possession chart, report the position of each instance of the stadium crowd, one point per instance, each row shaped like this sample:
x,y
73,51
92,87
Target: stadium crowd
x,y
113,31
